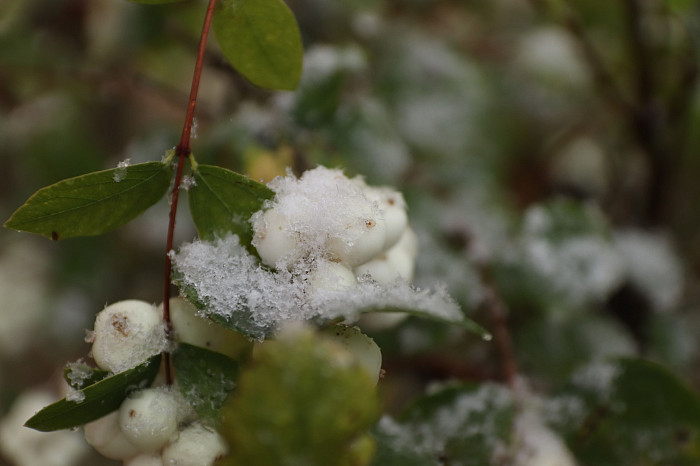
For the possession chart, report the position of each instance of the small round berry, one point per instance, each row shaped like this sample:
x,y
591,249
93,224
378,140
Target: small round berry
x,y
274,239
362,347
330,276
126,334
380,269
105,436
196,330
368,243
148,418
393,208
196,445
398,263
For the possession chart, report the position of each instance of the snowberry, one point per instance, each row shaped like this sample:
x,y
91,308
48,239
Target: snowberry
x,y
196,330
196,445
408,243
364,348
145,459
331,276
273,238
148,418
126,334
367,244
396,263
393,208
106,436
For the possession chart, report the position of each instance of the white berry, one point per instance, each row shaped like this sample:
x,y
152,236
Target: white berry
x,y
395,264
366,245
196,445
148,418
330,276
393,208
105,436
193,329
274,239
365,350
379,269
126,334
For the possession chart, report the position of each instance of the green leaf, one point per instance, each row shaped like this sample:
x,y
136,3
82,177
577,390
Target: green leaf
x,y
79,375
629,411
300,402
94,203
100,399
206,378
222,202
261,39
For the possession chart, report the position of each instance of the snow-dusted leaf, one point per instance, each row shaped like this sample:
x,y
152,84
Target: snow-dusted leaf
x,y
206,378
230,287
303,401
222,202
94,203
261,39
462,424
79,375
628,411
99,399
396,446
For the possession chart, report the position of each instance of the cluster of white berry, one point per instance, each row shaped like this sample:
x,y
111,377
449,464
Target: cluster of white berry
x,y
154,426
335,230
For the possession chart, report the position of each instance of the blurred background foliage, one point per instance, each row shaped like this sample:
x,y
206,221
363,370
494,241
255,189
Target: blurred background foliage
x,y
549,151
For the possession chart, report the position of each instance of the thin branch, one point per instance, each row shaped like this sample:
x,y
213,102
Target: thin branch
x,y
182,151
602,77
499,315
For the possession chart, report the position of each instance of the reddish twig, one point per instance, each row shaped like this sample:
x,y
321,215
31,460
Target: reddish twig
x,y
182,151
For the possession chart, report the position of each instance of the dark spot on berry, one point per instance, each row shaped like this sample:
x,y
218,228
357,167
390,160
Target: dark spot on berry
x,y
54,235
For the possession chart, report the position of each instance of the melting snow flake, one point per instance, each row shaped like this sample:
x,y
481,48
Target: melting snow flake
x,y
120,171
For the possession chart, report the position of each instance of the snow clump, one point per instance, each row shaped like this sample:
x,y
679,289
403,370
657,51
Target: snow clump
x,y
337,246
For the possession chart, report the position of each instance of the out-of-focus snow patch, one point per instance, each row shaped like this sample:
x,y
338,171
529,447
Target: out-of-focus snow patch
x,y
652,266
24,292
28,447
537,445
582,267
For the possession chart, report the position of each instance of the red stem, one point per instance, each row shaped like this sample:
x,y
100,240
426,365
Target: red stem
x,y
182,151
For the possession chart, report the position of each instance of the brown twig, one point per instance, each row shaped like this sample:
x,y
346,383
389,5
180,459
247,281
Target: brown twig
x,y
182,151
499,315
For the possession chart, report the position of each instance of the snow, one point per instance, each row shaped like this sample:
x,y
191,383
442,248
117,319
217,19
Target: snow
x,y
457,420
584,267
322,204
315,229
120,171
233,284
187,182
536,444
